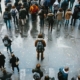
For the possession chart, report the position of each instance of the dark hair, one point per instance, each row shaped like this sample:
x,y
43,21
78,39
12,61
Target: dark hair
x,y
60,9
38,65
68,9
40,36
46,78
66,69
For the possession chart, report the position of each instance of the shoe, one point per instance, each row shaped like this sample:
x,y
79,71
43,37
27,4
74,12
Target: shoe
x,y
37,58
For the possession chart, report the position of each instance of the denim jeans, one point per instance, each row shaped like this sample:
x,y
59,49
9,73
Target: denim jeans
x,y
67,22
8,23
41,22
9,48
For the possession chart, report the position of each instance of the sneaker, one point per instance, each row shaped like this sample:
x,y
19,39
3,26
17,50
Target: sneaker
x,y
42,58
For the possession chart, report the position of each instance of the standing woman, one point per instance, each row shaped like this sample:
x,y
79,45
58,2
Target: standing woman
x,y
50,20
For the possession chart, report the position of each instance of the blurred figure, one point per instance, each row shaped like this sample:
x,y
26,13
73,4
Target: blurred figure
x,y
68,15
56,7
71,3
74,16
7,43
34,10
7,18
59,17
64,6
46,78
14,14
2,60
38,74
64,73
50,20
40,44
0,8
5,75
22,15
14,62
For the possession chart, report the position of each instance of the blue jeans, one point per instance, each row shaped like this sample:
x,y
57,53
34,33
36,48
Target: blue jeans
x,y
41,22
8,23
67,22
9,48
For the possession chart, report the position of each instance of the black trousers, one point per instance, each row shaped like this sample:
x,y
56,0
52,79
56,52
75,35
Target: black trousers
x,y
16,67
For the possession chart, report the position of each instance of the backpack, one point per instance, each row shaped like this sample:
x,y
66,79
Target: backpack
x,y
5,42
60,75
36,75
5,15
13,13
40,46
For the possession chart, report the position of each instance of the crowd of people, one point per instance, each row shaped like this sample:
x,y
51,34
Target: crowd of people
x,y
20,12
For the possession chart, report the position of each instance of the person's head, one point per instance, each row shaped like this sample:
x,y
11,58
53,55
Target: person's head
x,y
78,77
6,36
46,78
38,66
40,36
4,72
22,7
60,9
66,69
12,55
68,9
13,7
6,9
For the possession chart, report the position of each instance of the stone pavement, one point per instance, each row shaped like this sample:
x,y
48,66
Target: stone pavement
x,y
63,47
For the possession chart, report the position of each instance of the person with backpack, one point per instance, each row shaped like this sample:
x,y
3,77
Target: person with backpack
x,y
50,20
7,18
2,60
40,44
7,43
14,13
37,73
64,73
14,61
60,75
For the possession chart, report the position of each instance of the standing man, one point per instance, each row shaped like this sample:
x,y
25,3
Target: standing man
x,y
40,44
14,62
2,60
7,43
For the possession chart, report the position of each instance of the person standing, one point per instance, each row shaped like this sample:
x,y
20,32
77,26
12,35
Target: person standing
x,y
68,15
14,61
40,44
50,20
7,18
7,43
64,72
2,60
38,74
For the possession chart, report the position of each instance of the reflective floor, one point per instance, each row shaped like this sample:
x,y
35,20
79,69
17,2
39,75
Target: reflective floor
x,y
63,46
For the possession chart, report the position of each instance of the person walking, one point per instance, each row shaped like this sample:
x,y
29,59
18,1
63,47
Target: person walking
x,y
37,73
68,15
40,44
2,60
7,43
14,61
7,18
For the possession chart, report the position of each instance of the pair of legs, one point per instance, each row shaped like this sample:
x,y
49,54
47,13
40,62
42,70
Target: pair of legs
x,y
23,21
8,23
73,21
67,22
42,55
9,48
50,25
16,67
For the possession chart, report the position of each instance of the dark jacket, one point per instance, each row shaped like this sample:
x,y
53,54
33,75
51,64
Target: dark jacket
x,y
13,61
41,14
38,71
9,41
72,1
5,76
64,5
2,59
22,13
